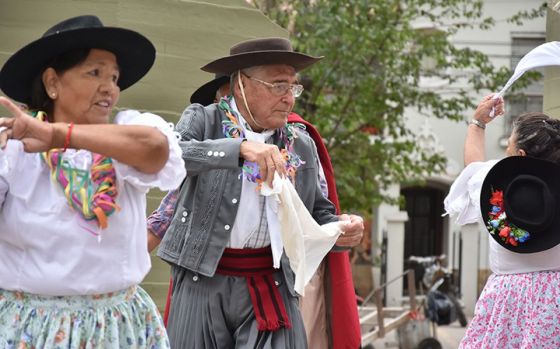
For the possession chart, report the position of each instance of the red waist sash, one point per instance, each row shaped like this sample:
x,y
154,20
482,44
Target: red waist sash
x,y
255,264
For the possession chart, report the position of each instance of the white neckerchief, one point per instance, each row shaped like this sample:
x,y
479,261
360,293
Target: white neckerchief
x,y
249,212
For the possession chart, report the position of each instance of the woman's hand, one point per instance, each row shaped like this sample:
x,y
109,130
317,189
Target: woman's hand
x,y
484,109
35,135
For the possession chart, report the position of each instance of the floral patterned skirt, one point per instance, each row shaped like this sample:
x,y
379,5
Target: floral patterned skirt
x,y
517,311
122,319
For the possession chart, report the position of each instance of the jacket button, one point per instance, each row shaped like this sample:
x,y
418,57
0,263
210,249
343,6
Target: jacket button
x,y
210,153
185,213
233,201
216,153
222,154
195,278
226,227
183,219
276,283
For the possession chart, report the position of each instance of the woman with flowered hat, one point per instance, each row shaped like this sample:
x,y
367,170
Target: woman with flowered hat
x,y
517,200
72,191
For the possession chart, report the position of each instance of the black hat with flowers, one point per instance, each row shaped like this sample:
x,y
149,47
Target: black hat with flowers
x,y
135,53
520,204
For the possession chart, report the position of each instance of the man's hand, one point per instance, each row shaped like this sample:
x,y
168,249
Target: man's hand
x,y
353,231
268,158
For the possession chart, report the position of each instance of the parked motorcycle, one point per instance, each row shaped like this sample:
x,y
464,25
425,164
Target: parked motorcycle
x,y
442,299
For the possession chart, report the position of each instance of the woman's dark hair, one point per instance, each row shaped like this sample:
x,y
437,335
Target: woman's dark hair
x,y
538,135
39,98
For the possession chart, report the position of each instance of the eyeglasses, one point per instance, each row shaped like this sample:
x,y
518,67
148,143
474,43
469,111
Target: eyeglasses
x,y
280,88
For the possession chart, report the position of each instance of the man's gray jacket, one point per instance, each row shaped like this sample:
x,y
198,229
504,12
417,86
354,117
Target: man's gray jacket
x,y
209,198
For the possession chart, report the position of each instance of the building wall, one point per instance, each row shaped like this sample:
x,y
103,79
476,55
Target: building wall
x,y
552,74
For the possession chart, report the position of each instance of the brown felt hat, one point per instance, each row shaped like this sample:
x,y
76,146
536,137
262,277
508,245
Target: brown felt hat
x,y
262,51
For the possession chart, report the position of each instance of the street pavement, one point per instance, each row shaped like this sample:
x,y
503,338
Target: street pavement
x,y
449,336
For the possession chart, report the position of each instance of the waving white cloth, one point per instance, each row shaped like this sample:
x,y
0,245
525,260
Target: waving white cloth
x,y
305,242
543,55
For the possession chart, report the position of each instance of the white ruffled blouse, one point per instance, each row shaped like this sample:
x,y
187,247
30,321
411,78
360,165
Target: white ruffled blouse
x,y
44,248
463,201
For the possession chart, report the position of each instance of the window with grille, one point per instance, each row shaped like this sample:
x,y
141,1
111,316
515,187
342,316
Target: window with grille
x,y
530,99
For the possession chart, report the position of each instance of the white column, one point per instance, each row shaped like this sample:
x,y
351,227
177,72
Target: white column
x,y
552,74
469,266
395,256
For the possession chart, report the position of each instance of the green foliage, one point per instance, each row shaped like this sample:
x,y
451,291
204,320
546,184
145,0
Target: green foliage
x,y
522,16
375,61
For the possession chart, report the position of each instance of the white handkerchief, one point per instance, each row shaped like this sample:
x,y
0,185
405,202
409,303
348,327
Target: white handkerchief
x,y
543,55
305,242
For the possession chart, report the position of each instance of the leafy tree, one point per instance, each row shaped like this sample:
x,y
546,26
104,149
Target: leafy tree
x,y
375,61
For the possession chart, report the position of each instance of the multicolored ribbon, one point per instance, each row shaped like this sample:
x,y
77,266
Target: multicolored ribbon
x,y
232,129
92,193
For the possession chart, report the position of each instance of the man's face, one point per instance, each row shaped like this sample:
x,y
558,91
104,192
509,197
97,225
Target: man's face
x,y
269,110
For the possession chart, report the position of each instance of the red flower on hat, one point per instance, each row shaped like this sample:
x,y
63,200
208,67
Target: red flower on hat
x,y
497,222
504,233
497,198
512,241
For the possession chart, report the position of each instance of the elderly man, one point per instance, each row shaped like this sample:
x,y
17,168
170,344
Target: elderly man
x,y
226,292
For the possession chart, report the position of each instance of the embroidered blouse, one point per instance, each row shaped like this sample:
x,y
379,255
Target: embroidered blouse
x,y
463,201
44,248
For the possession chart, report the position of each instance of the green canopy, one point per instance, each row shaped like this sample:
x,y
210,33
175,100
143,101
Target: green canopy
x,y
187,34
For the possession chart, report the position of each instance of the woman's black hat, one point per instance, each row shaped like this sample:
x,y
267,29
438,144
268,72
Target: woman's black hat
x,y
531,198
135,53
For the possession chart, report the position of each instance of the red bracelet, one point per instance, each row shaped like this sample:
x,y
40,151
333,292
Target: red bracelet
x,y
68,133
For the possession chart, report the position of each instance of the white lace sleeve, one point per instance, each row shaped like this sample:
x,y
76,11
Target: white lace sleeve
x,y
172,174
463,200
8,160
3,173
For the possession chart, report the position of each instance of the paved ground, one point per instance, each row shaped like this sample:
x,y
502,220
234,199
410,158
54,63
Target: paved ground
x,y
449,337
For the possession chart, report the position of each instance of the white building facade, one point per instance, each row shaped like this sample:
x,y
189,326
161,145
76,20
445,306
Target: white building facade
x,y
426,231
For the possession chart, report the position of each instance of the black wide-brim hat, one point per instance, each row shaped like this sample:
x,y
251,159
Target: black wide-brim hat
x,y
531,199
262,51
135,53
206,93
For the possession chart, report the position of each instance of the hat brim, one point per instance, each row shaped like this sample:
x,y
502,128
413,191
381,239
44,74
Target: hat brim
x,y
498,178
135,56
230,64
206,93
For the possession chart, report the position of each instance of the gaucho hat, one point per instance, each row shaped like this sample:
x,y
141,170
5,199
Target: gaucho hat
x,y
135,53
520,201
261,51
206,93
